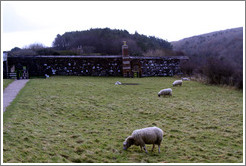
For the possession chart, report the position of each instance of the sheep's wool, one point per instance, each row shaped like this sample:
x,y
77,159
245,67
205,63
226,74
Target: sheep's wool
x,y
177,82
165,92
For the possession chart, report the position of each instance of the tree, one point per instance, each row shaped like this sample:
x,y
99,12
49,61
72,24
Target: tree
x,y
35,46
15,49
109,41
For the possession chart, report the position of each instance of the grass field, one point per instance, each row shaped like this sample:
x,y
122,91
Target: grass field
x,y
86,119
6,82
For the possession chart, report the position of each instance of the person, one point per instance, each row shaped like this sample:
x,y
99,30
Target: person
x,y
19,69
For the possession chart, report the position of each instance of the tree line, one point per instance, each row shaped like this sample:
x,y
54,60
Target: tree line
x,y
108,42
99,41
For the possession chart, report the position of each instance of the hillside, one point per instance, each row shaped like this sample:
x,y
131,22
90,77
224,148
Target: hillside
x,y
216,57
99,41
225,44
108,41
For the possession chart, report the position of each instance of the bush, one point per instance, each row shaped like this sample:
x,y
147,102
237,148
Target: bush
x,y
238,78
22,52
67,52
47,51
223,72
188,67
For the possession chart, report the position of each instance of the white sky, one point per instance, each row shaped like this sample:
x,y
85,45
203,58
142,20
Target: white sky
x,y
28,22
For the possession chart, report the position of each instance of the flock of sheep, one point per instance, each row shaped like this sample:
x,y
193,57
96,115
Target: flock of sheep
x,y
150,135
168,91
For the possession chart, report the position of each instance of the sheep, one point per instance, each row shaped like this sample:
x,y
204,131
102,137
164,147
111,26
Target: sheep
x,y
140,137
117,83
47,76
177,82
185,79
164,92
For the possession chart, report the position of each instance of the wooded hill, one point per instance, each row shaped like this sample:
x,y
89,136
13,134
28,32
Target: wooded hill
x,y
100,42
225,44
216,56
108,42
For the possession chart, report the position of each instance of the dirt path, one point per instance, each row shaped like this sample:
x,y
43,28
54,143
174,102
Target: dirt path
x,y
11,92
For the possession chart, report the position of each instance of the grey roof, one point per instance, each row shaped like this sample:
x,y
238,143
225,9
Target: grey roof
x,y
67,56
98,56
161,57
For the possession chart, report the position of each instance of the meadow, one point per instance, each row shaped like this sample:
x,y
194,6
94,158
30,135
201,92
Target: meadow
x,y
86,119
6,82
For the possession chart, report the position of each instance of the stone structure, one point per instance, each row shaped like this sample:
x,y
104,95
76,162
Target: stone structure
x,y
126,65
94,65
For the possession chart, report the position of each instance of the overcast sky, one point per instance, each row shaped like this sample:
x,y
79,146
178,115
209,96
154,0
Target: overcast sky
x,y
28,22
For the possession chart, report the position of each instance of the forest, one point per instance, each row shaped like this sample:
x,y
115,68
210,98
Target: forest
x,y
99,41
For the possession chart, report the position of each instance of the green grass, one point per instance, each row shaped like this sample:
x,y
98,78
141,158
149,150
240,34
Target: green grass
x,y
6,82
86,119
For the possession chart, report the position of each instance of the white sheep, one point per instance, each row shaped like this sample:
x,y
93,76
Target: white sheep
x,y
185,79
140,137
177,82
164,92
47,76
117,83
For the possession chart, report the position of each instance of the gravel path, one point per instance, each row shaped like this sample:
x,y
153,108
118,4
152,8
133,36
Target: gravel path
x,y
11,91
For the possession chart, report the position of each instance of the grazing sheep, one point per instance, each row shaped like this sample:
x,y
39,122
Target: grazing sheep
x,y
117,83
47,76
185,79
140,137
164,92
177,82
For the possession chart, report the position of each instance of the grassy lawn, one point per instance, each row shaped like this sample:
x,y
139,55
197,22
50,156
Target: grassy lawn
x,y
6,82
86,119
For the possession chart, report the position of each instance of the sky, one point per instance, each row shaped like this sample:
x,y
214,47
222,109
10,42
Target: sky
x,y
27,22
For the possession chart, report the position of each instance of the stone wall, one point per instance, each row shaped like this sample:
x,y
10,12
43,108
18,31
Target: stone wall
x,y
160,67
96,66
71,66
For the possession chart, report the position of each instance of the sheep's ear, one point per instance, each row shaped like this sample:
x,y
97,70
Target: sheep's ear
x,y
131,140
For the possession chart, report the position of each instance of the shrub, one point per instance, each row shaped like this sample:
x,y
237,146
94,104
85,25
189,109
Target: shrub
x,y
221,71
238,78
47,51
67,52
188,67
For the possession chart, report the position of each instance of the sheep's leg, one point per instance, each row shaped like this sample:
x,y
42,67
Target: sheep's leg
x,y
159,148
145,149
153,147
141,148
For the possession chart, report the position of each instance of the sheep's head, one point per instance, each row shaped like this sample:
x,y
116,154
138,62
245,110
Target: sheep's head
x,y
128,142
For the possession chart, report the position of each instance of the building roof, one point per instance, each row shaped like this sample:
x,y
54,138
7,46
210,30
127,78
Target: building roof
x,y
97,56
160,57
66,56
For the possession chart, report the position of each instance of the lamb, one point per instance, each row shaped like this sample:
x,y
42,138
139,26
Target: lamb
x,y
140,137
177,82
164,92
117,83
185,79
